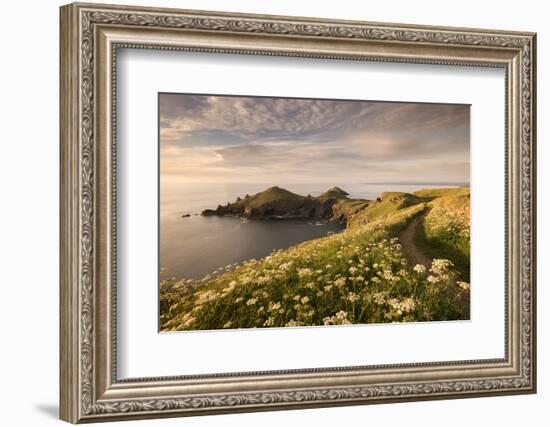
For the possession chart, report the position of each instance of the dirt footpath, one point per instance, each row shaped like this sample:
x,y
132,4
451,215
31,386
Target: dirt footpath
x,y
411,251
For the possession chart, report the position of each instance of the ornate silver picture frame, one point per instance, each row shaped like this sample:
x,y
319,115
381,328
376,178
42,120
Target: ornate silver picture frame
x,y
91,35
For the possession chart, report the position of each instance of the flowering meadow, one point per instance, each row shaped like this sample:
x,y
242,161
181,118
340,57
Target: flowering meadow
x,y
361,275
446,230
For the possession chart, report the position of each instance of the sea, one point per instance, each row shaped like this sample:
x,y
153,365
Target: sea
x,y
192,247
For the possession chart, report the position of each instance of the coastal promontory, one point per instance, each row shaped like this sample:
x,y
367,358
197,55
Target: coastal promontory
x,y
279,203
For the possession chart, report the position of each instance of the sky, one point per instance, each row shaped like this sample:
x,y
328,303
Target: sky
x,y
214,139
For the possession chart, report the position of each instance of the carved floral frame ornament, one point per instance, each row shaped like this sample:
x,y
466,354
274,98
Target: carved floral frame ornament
x,y
90,37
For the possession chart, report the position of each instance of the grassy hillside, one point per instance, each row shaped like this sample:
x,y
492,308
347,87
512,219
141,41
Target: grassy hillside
x,y
386,205
446,230
278,194
278,203
346,209
440,192
273,194
360,275
334,193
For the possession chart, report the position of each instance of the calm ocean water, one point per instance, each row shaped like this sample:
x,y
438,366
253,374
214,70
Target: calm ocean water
x,y
195,246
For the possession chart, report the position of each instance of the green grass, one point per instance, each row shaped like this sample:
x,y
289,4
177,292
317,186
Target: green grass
x,y
446,230
436,247
389,203
271,195
334,193
278,194
440,192
349,208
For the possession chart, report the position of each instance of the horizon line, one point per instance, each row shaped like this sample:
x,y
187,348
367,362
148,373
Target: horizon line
x,y
461,183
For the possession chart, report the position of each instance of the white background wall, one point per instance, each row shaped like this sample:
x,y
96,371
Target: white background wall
x,y
29,170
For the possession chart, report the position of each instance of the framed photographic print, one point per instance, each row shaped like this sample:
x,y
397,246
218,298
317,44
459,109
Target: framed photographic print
x,y
264,212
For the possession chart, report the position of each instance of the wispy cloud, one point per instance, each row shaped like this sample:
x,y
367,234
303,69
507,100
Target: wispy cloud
x,y
213,138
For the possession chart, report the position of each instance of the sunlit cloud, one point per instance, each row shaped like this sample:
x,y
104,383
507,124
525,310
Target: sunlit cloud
x,y
238,139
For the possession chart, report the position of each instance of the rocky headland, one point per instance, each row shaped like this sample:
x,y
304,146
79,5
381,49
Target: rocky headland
x,y
278,203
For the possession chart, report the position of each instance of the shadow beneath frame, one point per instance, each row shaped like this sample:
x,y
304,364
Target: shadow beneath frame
x,y
50,410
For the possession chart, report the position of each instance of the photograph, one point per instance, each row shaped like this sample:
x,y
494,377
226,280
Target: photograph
x,y
281,212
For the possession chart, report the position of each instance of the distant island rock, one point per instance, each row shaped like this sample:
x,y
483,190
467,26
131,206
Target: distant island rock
x,y
278,203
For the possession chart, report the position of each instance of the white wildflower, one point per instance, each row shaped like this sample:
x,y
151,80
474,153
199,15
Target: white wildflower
x,y
293,322
340,318
262,280
340,282
304,272
380,297
419,268
465,286
432,279
441,266
274,306
352,297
